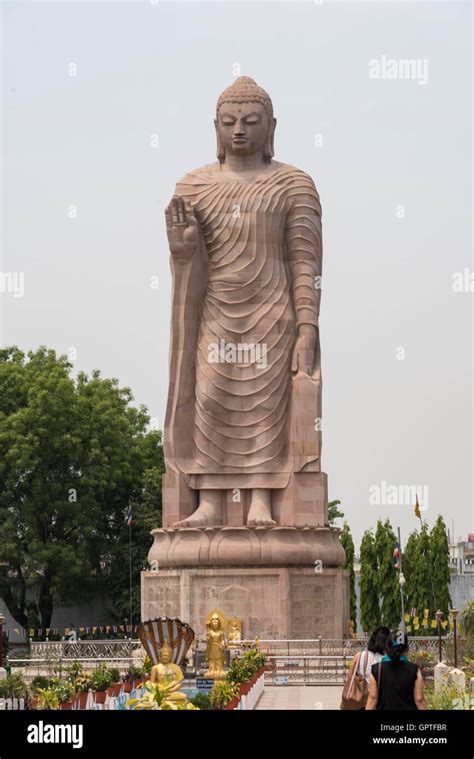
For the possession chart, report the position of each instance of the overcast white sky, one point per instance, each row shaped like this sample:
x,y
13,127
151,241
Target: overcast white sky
x,y
145,69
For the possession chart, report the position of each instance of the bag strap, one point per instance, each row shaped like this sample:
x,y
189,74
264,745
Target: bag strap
x,y
366,661
379,675
356,667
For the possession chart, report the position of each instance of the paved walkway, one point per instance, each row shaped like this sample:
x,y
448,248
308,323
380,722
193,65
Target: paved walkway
x,y
300,697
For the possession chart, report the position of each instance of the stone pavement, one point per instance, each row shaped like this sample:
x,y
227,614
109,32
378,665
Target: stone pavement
x,y
300,697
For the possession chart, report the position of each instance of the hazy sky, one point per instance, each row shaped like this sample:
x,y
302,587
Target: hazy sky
x,y
394,172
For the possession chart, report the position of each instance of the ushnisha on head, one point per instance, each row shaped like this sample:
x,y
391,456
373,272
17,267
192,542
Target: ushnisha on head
x,y
244,122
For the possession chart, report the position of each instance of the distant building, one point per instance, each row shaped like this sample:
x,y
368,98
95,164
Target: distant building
x,y
461,556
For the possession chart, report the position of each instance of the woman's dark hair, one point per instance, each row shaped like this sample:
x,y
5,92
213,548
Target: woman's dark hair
x,y
378,640
397,644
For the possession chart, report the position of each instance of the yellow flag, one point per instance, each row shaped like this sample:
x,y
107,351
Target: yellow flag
x,y
32,632
415,621
434,623
407,617
67,631
408,628
426,613
416,626
417,508
94,630
444,623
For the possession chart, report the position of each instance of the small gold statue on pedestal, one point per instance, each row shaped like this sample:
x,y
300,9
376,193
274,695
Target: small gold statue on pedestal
x,y
167,674
215,645
234,631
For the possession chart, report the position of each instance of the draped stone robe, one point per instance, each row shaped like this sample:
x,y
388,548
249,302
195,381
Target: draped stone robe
x,y
263,244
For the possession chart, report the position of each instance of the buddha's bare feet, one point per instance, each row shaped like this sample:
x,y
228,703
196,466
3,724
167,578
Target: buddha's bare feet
x,y
260,512
209,511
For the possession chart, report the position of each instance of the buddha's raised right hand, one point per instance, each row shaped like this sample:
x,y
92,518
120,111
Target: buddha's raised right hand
x,y
182,228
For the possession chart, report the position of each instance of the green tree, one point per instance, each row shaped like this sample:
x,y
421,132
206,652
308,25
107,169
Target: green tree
x,y
369,596
417,569
466,620
387,576
440,574
348,545
72,454
333,512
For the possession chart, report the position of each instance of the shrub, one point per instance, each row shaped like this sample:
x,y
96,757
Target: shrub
x,y
202,701
13,686
47,699
63,689
115,675
40,681
243,668
223,692
132,673
447,697
101,678
466,620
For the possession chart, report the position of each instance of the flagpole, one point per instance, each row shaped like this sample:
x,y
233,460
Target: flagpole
x,y
401,580
130,568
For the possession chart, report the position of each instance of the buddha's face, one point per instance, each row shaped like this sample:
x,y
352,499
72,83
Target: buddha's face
x,y
165,655
215,624
243,128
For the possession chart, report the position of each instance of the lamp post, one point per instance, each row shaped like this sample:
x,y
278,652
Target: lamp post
x,y
455,613
439,616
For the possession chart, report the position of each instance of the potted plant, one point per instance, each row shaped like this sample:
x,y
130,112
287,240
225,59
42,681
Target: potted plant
x,y
101,680
223,693
131,677
117,683
40,681
13,686
64,691
47,699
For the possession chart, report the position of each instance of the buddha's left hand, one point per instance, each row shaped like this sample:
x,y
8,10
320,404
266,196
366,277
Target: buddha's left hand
x,y
303,352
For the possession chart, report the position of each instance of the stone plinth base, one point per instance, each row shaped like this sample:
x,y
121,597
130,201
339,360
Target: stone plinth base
x,y
272,602
246,546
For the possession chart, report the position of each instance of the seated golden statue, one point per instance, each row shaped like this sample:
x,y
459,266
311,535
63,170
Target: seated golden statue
x,y
166,673
234,631
215,648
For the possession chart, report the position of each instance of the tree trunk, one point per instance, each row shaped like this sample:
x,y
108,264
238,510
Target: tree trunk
x,y
45,599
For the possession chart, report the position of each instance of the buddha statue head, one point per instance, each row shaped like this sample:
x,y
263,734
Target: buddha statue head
x,y
215,622
166,653
244,122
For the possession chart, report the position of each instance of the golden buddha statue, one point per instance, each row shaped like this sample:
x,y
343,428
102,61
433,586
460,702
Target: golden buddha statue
x,y
166,673
234,631
215,647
